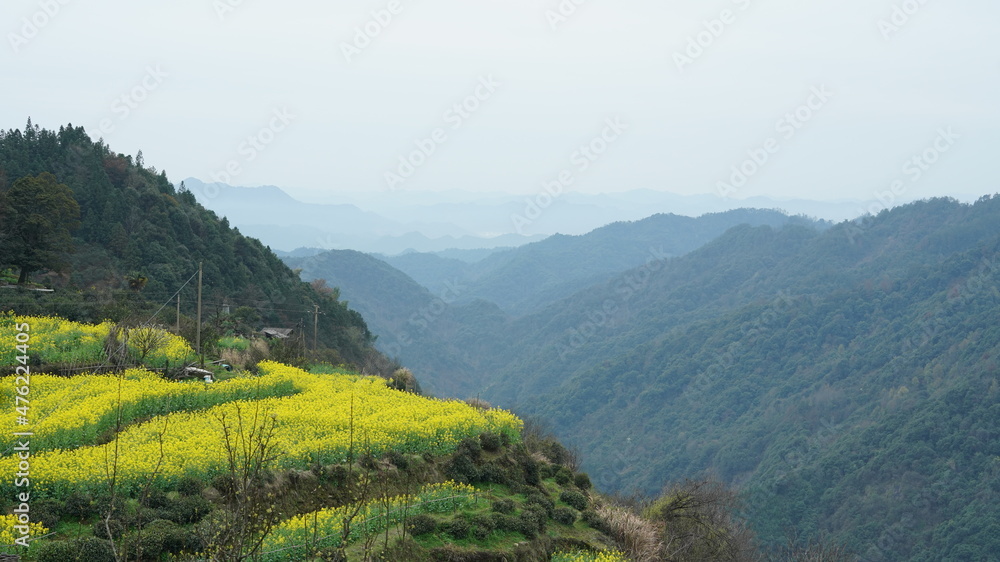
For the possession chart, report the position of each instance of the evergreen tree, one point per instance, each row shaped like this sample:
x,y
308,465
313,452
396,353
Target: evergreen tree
x,y
38,215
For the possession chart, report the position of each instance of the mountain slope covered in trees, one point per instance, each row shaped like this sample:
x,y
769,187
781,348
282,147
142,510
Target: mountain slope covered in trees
x,y
139,240
452,330
847,380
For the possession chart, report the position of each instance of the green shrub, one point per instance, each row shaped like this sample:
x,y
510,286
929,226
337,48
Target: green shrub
x,y
190,486
158,538
564,515
142,516
101,528
486,521
47,512
491,442
56,551
79,505
557,452
540,513
582,481
187,509
564,476
470,447
574,499
595,521
421,525
492,473
503,506
530,467
155,498
458,528
90,549
528,524
462,469
545,504
504,522
224,483
481,533
547,471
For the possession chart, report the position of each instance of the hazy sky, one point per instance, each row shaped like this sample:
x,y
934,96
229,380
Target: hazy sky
x,y
668,95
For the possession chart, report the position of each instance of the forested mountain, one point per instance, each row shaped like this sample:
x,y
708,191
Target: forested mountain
x,y
845,378
437,328
522,280
139,240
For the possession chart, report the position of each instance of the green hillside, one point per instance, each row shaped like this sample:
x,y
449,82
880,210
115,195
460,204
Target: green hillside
x,y
139,241
847,380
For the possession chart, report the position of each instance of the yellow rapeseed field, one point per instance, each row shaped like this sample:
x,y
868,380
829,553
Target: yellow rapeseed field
x,y
55,340
70,412
324,418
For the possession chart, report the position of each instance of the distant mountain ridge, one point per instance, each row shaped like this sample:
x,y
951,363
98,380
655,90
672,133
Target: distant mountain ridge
x,y
532,276
283,222
434,221
459,307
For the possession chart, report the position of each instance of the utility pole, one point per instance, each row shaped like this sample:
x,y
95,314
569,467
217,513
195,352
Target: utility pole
x,y
198,337
178,313
315,331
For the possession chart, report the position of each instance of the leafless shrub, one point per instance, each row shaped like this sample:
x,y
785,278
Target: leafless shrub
x,y
638,537
697,522
237,532
479,403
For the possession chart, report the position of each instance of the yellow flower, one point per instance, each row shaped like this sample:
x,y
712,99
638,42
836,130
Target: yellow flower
x,y
316,418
